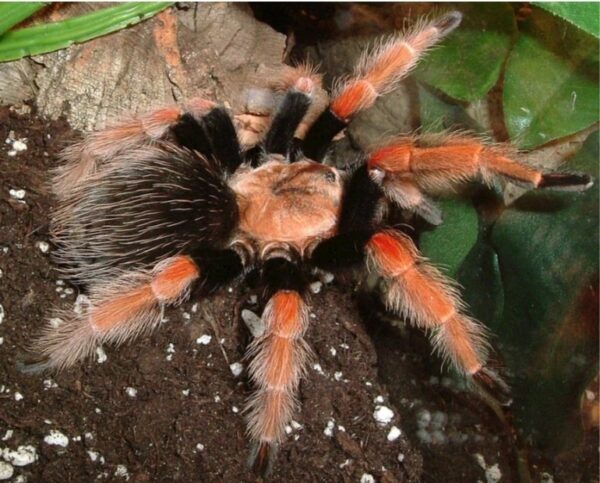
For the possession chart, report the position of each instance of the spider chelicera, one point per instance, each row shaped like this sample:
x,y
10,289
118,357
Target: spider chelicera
x,y
178,200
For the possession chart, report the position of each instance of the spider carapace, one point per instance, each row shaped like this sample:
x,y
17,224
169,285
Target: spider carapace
x,y
179,198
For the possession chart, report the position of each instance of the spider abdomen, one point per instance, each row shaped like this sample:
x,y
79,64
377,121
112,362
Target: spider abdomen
x,y
151,204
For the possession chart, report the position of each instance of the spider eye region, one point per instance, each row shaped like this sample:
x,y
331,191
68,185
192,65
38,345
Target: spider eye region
x,y
293,203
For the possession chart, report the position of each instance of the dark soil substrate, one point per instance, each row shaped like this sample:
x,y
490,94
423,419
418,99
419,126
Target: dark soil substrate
x,y
185,423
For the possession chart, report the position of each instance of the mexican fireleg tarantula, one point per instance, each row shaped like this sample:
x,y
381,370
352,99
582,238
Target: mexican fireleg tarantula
x,y
174,199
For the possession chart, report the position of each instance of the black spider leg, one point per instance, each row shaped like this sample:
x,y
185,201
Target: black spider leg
x,y
217,267
279,139
213,135
356,226
321,133
279,273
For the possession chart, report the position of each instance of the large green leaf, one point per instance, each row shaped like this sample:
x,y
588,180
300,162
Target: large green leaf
x,y
45,38
547,249
468,63
12,13
551,82
439,113
448,244
585,15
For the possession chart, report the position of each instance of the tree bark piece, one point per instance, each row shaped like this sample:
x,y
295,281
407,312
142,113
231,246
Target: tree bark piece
x,y
211,50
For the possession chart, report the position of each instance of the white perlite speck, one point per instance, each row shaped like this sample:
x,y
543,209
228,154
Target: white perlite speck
x,y
200,447
56,438
204,339
328,431
49,384
22,456
9,433
394,434
122,472
131,391
383,415
101,356
255,324
315,287
367,478
317,367
1,314
17,194
94,455
546,478
18,396
493,474
19,145
6,470
236,368
43,246
170,351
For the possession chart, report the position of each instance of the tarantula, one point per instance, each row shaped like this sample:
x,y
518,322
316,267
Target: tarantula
x,y
167,201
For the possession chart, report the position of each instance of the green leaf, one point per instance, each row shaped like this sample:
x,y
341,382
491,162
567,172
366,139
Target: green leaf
x,y
585,15
448,244
468,63
12,13
551,82
54,36
547,249
439,113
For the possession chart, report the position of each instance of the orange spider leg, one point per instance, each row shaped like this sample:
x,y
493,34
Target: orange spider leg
x,y
461,159
118,311
280,356
420,292
380,72
82,159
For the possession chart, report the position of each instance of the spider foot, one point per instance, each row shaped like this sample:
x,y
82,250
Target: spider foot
x,y
262,458
566,181
491,382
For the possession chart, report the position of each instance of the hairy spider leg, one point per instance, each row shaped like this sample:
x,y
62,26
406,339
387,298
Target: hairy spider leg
x,y
279,359
120,310
213,135
131,305
288,117
412,165
84,158
377,74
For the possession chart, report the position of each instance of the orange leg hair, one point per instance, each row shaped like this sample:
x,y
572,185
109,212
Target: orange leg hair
x,y
420,292
118,311
82,159
440,163
381,71
279,359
